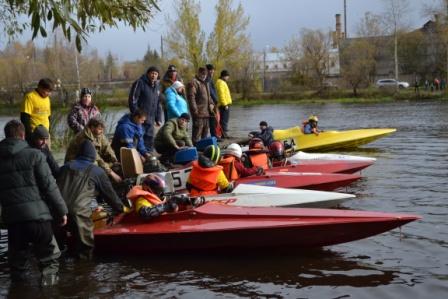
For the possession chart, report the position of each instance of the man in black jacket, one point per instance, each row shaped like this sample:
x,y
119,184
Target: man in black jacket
x,y
28,194
80,182
144,94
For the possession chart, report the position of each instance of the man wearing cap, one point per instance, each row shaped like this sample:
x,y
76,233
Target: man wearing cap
x,y
36,107
266,133
212,121
39,140
172,136
175,103
201,104
224,101
144,94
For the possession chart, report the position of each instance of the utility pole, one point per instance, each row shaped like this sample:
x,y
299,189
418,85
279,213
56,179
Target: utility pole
x,y
345,19
161,46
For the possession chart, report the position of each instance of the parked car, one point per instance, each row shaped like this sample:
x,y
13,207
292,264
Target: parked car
x,y
391,83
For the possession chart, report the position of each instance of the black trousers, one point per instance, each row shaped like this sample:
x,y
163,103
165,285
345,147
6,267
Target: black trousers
x,y
225,114
38,234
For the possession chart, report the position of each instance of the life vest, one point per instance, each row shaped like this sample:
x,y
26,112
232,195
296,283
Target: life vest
x,y
141,198
204,180
228,165
259,158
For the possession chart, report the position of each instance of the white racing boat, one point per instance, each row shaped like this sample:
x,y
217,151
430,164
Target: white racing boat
x,y
263,196
297,157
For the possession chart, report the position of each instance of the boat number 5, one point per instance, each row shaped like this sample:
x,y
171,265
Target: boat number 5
x,y
180,177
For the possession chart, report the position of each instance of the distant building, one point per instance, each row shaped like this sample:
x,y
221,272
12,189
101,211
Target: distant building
x,y
272,67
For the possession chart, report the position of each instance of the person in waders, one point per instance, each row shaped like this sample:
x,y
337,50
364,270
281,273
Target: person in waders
x,y
81,182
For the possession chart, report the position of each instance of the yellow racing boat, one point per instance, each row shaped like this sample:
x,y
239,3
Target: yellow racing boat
x,y
330,140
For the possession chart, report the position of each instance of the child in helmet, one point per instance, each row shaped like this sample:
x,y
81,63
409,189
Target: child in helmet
x,y
233,166
206,177
310,126
277,151
146,198
257,155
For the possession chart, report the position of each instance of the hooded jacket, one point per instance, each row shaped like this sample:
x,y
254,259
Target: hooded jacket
x,y
145,95
128,134
175,103
28,190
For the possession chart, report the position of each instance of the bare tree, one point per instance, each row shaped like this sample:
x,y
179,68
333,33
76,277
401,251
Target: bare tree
x,y
357,62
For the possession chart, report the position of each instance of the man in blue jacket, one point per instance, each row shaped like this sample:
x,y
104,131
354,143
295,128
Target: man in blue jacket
x,y
210,71
129,133
144,94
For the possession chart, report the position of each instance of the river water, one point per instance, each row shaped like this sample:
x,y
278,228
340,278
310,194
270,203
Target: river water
x,y
409,176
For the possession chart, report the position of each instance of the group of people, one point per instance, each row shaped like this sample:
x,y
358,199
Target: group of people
x,y
40,197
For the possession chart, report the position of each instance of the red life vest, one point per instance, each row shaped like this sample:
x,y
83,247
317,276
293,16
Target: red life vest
x,y
204,181
228,164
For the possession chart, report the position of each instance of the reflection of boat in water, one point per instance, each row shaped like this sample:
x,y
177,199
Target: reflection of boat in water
x,y
222,227
241,273
330,140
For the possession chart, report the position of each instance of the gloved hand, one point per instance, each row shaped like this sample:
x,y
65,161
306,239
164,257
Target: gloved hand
x,y
260,170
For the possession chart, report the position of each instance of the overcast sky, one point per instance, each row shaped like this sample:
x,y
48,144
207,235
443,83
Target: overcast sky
x,y
272,22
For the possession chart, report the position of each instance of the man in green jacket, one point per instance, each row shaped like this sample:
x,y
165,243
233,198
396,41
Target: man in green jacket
x,y
28,194
105,155
172,137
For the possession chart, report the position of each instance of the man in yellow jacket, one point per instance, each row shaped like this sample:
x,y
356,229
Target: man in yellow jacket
x,y
224,101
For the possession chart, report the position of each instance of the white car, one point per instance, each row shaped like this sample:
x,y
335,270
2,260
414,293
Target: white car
x,y
391,83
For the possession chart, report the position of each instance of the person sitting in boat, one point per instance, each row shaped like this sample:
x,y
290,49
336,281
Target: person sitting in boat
x,y
257,155
266,133
81,182
105,155
206,177
310,126
129,133
172,137
232,165
277,151
147,198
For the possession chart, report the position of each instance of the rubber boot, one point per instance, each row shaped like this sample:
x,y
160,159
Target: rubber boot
x,y
49,280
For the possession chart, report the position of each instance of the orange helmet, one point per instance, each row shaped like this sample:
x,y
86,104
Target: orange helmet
x,y
256,143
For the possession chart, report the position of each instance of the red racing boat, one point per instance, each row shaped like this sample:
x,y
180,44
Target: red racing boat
x,y
326,166
303,180
216,227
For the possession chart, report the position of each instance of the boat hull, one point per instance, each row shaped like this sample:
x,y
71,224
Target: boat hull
x,y
331,140
216,227
326,166
302,180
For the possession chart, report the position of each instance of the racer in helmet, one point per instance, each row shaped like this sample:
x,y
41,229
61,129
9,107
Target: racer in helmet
x,y
257,154
147,198
206,176
265,133
277,150
310,126
233,166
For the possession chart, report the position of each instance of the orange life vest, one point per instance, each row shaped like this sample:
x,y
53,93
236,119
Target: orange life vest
x,y
204,180
259,159
137,192
228,165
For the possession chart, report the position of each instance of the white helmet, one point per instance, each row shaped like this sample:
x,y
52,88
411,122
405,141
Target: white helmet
x,y
234,150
